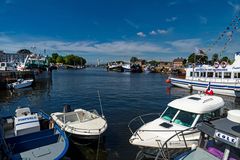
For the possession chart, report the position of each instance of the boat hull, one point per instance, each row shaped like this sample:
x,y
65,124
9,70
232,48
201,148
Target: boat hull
x,y
229,89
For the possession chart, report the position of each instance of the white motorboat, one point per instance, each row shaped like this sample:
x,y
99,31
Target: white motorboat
x,y
21,83
224,78
81,123
28,135
181,114
220,139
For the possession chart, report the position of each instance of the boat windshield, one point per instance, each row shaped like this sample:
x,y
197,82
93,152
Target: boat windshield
x,y
185,118
169,113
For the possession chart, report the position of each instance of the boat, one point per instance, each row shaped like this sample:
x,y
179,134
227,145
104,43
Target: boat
x,y
7,66
114,66
180,114
21,83
220,139
126,67
28,135
80,123
136,68
224,78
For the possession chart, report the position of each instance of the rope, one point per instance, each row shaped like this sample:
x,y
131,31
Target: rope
x,y
98,146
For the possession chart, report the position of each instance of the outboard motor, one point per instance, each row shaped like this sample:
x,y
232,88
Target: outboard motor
x,y
67,108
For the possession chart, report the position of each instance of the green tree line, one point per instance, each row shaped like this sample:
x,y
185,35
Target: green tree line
x,y
68,59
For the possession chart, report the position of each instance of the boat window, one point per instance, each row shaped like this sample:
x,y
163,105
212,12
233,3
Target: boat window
x,y
169,113
237,75
191,74
218,74
185,118
227,74
203,74
2,64
210,116
196,74
209,74
71,118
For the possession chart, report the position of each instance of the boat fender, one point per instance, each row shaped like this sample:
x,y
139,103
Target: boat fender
x,y
216,64
223,64
168,81
51,124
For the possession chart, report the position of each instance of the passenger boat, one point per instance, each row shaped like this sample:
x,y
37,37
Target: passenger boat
x,y
220,139
80,123
32,136
21,83
224,78
181,114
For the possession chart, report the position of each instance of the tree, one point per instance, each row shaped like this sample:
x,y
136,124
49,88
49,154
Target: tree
x,y
24,52
226,59
198,58
215,57
153,63
133,59
60,59
54,57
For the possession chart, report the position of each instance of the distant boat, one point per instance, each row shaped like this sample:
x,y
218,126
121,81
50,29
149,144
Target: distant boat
x,y
21,83
136,68
115,67
80,123
7,66
32,136
224,78
126,67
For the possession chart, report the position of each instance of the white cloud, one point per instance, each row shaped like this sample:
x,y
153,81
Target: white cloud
x,y
236,7
153,33
185,45
165,31
171,19
124,48
141,34
203,20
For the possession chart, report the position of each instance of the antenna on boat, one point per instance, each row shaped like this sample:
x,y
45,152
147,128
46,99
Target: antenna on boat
x,y
100,103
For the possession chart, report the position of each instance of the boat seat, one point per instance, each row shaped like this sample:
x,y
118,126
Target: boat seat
x,y
34,143
30,136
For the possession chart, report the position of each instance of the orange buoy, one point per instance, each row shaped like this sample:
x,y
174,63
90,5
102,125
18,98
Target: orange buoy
x,y
168,81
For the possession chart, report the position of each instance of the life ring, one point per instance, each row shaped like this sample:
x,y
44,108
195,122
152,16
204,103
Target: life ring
x,y
216,64
223,64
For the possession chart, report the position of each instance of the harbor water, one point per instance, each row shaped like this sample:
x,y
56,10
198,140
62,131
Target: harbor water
x,y
123,95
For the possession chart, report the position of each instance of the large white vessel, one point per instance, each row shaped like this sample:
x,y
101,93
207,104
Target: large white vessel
x,y
224,79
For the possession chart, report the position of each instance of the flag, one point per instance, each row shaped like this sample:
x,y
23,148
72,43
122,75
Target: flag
x,y
209,91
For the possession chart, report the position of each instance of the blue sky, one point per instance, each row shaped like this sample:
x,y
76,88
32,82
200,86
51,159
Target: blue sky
x,y
117,29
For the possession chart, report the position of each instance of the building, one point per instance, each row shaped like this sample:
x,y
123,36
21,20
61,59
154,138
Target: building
x,y
178,62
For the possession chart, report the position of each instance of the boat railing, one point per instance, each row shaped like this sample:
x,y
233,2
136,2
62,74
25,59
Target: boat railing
x,y
163,148
142,121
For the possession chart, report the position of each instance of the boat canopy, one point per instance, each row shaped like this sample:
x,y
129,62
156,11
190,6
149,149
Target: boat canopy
x,y
198,103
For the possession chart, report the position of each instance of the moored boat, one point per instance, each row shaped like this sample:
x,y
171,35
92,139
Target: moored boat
x,y
220,139
21,83
224,78
28,135
181,114
81,123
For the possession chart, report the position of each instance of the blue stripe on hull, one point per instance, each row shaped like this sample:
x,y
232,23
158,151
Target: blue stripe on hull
x,y
199,84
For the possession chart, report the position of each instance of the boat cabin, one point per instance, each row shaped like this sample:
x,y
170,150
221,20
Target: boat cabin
x,y
25,122
218,73
190,110
220,139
